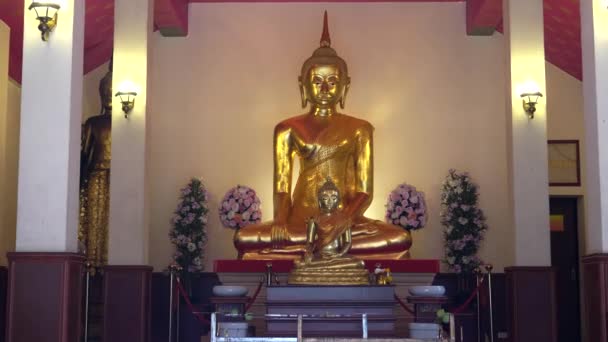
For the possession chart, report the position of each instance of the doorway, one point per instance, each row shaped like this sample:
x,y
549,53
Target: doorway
x,y
565,261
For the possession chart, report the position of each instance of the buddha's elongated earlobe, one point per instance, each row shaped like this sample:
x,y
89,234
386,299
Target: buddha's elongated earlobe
x,y
302,92
344,93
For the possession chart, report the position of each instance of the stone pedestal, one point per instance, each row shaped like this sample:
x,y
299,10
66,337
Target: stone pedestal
x,y
333,311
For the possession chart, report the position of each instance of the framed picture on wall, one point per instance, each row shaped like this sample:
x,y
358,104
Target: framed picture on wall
x,y
564,163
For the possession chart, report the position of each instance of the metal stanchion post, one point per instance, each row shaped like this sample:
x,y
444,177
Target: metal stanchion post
x,y
364,323
213,331
177,315
171,279
269,274
88,266
300,328
452,336
477,281
489,269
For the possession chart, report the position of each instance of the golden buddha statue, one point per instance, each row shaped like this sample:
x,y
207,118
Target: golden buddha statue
x,y
328,144
325,259
95,177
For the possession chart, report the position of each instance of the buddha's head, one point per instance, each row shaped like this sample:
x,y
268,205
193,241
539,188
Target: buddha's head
x,y
324,80
328,196
105,91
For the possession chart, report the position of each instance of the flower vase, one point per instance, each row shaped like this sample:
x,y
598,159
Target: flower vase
x,y
408,255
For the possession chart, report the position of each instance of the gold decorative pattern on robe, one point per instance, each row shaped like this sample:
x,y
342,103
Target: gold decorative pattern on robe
x,y
95,188
95,207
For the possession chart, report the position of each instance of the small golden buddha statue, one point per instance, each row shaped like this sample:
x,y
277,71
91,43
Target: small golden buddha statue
x,y
328,144
95,177
326,260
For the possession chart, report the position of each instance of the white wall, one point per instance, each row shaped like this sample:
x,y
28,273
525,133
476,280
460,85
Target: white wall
x,y
565,118
435,96
416,84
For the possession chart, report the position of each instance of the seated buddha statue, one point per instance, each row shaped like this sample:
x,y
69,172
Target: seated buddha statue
x,y
326,259
327,144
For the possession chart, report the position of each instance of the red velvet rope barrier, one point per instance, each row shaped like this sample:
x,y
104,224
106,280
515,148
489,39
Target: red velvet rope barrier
x,y
468,301
255,296
457,310
196,312
191,306
404,306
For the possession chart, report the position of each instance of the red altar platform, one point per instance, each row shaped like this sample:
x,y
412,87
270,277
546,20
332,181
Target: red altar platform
x,y
284,266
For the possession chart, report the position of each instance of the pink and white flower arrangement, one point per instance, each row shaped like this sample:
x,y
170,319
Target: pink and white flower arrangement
x,y
406,208
189,226
463,221
240,207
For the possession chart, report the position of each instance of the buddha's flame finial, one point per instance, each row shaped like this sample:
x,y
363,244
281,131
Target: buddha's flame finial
x,y
325,40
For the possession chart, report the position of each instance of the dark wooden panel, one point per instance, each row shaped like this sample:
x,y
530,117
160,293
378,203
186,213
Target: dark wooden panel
x,y
201,289
45,292
95,307
531,304
458,289
3,288
127,304
595,285
160,308
466,327
191,330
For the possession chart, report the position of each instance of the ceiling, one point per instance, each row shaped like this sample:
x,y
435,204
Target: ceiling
x,y
561,20
563,35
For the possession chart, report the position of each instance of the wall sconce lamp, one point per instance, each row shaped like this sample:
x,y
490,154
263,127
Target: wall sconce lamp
x,y
128,101
48,18
530,100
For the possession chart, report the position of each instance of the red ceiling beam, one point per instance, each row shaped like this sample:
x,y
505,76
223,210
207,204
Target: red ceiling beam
x,y
295,1
11,12
171,17
483,16
97,55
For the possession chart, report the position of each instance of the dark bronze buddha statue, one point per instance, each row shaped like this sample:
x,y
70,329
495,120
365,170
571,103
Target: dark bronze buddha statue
x,y
95,160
